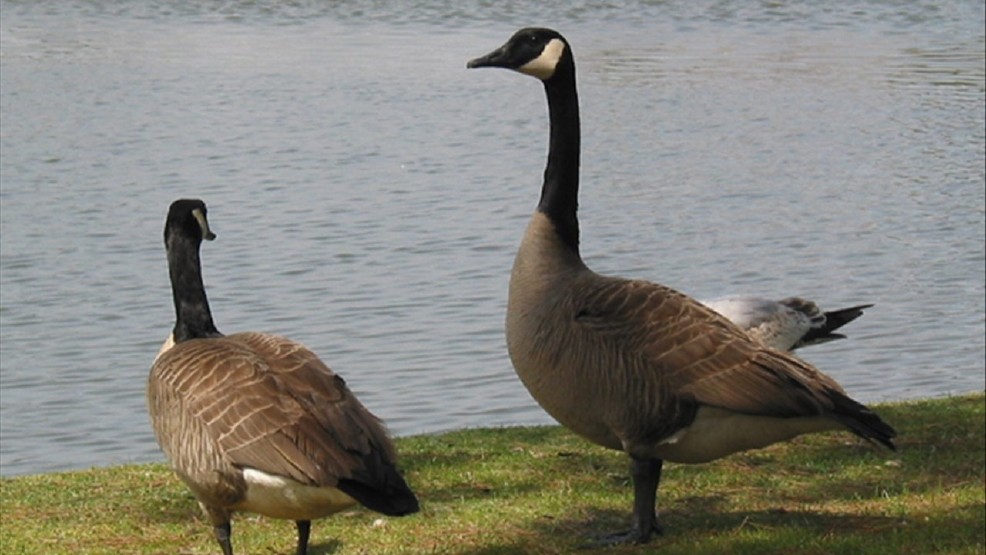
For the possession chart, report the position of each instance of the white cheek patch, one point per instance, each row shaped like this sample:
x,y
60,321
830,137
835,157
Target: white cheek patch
x,y
543,67
204,224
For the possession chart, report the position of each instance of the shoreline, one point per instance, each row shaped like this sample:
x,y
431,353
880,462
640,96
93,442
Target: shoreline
x,y
949,395
541,490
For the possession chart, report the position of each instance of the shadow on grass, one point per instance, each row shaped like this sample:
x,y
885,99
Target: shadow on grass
x,y
821,471
702,522
321,548
466,466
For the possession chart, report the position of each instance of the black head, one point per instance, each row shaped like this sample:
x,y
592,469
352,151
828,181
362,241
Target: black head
x,y
533,51
187,217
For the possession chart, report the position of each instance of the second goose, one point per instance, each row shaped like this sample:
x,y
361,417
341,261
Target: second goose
x,y
633,365
787,324
256,422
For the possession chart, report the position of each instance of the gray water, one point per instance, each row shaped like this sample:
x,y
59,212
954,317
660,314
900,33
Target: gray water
x,y
369,192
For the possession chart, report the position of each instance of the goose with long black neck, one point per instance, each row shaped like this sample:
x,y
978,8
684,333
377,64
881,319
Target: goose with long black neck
x,y
633,365
256,422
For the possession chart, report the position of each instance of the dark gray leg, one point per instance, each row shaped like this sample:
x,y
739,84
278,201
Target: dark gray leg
x,y
304,530
646,474
223,532
646,477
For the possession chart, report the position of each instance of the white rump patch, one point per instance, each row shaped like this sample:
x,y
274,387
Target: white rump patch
x,y
280,497
543,67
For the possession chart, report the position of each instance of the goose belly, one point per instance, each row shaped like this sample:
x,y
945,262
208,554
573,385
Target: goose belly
x,y
280,497
716,433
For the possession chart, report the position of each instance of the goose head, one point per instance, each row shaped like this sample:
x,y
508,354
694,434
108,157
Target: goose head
x,y
533,51
188,218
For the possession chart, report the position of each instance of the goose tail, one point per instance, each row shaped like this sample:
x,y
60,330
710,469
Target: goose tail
x,y
862,421
390,496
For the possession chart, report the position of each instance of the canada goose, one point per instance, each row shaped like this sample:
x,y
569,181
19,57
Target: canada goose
x,y
787,324
632,365
256,422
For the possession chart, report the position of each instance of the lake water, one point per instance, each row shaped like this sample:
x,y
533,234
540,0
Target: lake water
x,y
369,193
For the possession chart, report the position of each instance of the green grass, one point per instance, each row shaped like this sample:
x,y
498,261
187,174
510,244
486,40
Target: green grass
x,y
540,490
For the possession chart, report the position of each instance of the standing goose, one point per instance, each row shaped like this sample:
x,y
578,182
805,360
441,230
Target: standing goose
x,y
632,365
256,422
787,324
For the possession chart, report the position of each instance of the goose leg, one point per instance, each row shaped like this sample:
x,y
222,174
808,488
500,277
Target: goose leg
x,y
646,477
304,530
222,532
646,474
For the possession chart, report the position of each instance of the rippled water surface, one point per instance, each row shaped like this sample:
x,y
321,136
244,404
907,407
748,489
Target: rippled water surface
x,y
369,192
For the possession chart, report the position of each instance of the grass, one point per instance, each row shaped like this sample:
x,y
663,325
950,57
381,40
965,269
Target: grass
x,y
540,490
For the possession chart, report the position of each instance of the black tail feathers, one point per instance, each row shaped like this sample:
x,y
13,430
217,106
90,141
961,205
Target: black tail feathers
x,y
392,497
862,421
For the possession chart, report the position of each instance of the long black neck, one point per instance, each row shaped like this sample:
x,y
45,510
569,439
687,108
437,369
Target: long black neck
x,y
560,192
193,317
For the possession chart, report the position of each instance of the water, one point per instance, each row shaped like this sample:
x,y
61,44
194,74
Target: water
x,y
369,192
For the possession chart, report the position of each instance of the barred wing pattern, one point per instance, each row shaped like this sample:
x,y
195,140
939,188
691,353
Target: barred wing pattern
x,y
678,345
269,403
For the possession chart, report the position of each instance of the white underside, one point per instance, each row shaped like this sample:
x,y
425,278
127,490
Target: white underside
x,y
716,433
280,497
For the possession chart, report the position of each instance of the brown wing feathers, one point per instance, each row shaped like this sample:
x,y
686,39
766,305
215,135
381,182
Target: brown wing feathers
x,y
349,444
699,356
285,413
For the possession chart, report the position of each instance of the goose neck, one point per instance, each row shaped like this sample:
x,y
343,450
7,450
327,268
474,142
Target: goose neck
x,y
193,318
559,194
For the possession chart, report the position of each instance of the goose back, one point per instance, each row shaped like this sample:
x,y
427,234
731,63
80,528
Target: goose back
x,y
263,402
